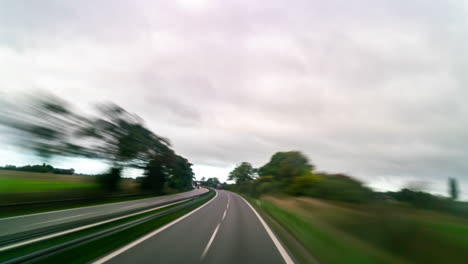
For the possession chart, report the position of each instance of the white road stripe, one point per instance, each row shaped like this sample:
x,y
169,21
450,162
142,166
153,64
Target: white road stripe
x,y
138,241
81,228
55,220
209,243
278,245
224,215
133,205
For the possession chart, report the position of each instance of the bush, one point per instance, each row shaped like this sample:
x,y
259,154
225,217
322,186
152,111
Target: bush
x,y
268,188
341,188
303,185
329,186
110,181
246,188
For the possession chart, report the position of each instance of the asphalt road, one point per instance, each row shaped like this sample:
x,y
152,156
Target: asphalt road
x,y
225,230
16,224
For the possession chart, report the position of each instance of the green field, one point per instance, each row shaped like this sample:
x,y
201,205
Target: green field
x,y
31,182
19,187
346,233
15,185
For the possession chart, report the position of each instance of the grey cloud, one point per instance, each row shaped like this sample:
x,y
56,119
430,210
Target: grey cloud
x,y
371,88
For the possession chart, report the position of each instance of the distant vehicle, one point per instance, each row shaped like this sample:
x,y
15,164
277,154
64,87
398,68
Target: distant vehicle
x,y
219,186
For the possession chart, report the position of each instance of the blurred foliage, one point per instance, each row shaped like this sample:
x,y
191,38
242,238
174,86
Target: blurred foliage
x,y
50,127
292,173
338,187
181,174
120,137
155,175
44,124
110,181
244,172
168,169
304,185
284,166
453,187
210,182
266,185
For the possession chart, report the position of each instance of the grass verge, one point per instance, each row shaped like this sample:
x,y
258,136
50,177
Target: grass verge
x,y
299,253
323,245
335,232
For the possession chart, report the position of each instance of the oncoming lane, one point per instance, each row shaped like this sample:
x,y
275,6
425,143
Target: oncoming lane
x,y
29,223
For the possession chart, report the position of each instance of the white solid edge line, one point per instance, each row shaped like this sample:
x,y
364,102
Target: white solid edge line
x,y
155,232
83,227
278,245
91,206
209,243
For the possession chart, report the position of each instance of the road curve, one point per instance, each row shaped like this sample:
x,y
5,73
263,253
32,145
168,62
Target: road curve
x,y
17,224
225,230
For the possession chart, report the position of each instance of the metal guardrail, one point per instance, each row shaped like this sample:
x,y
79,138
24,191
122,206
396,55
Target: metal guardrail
x,y
26,235
47,252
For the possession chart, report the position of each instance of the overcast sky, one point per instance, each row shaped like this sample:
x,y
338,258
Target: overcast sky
x,y
376,89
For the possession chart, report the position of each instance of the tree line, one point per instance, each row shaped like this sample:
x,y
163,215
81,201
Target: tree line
x,y
292,173
52,127
44,168
210,182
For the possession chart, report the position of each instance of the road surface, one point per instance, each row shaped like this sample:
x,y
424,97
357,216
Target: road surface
x,y
17,224
225,230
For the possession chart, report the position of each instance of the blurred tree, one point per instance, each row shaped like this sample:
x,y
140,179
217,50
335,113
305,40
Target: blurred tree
x,y
284,166
181,173
212,181
44,124
121,138
155,175
338,187
244,172
48,126
420,199
303,185
453,187
110,181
